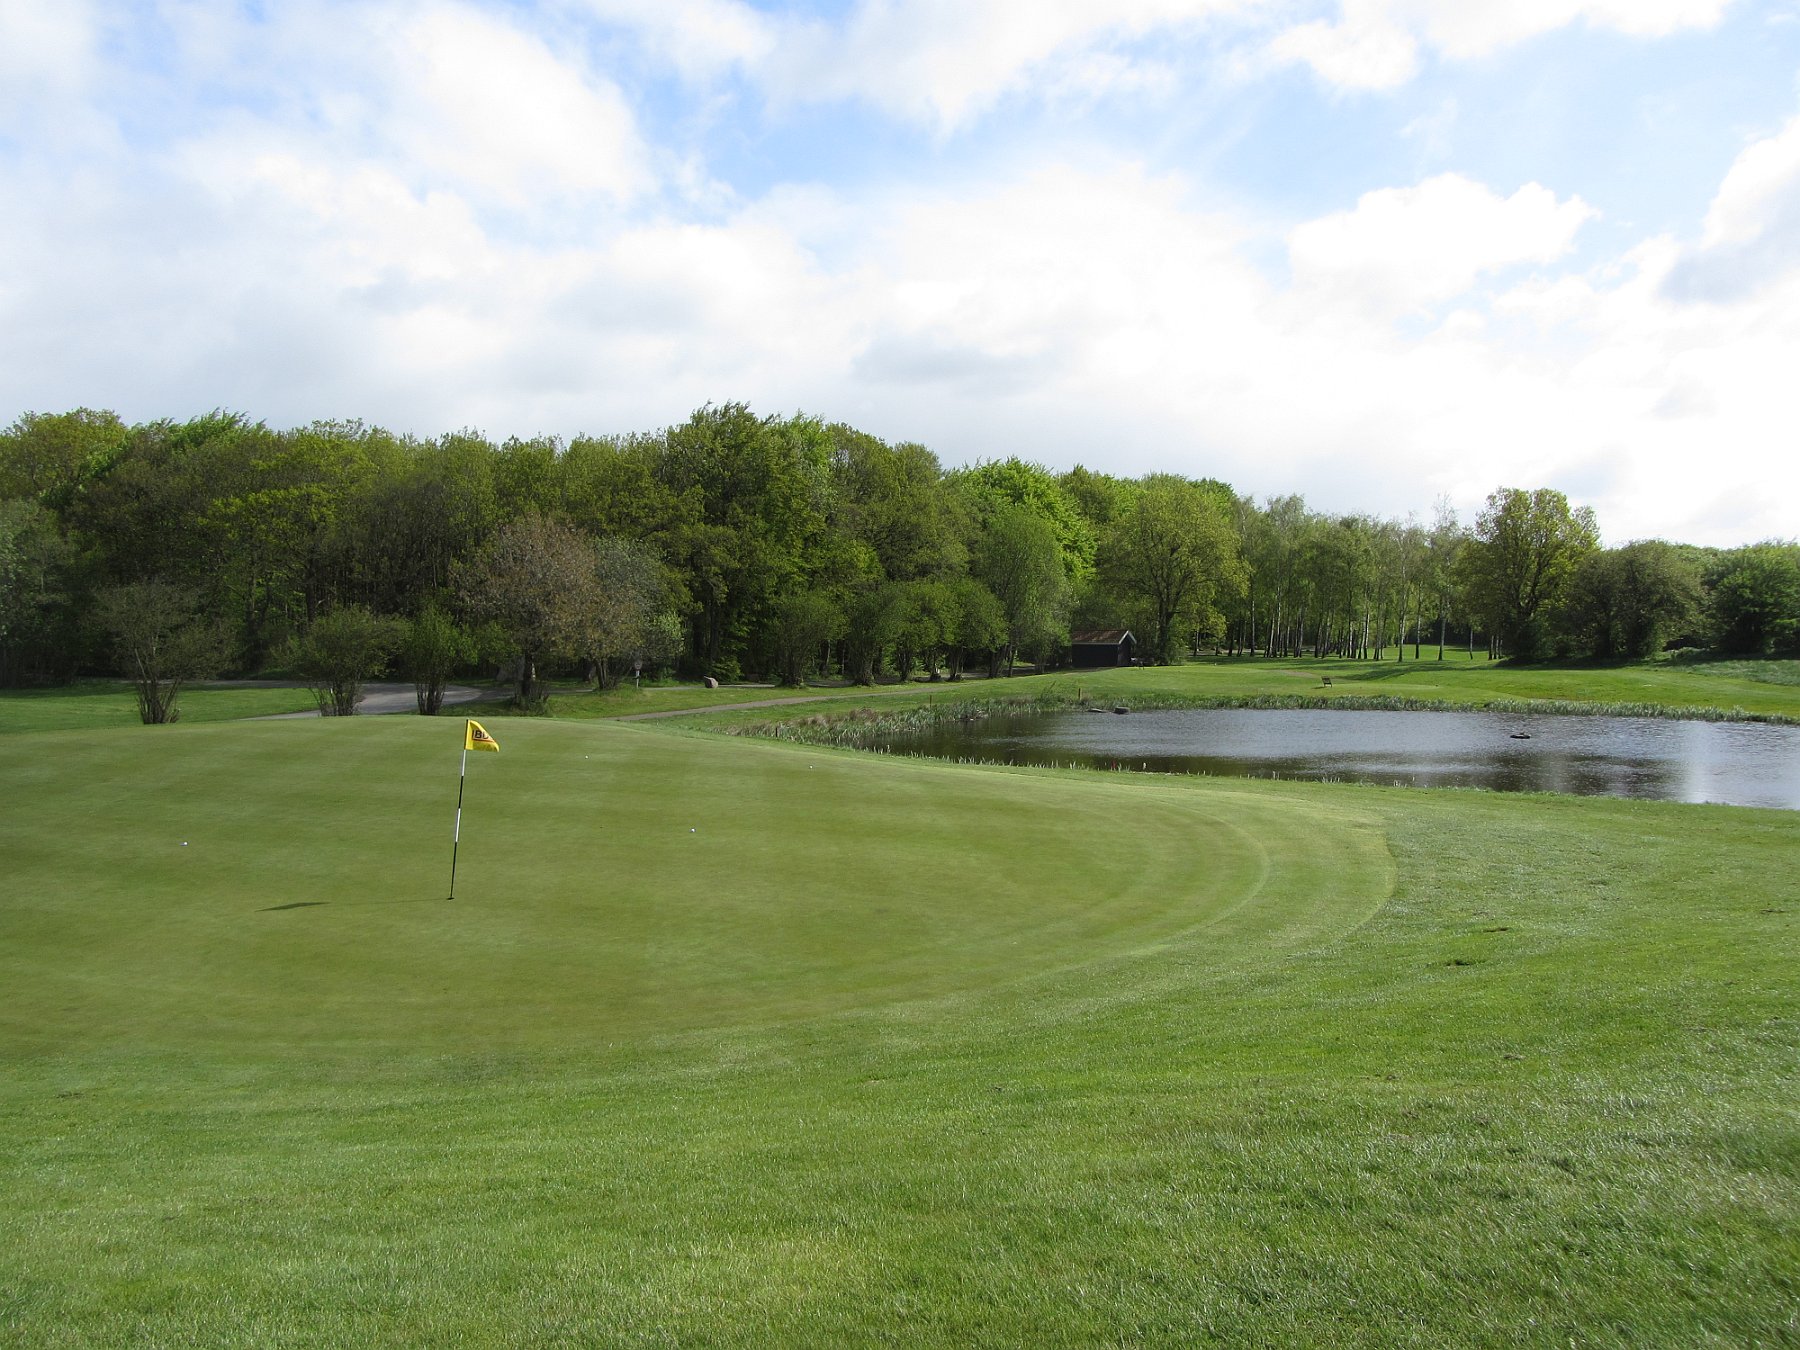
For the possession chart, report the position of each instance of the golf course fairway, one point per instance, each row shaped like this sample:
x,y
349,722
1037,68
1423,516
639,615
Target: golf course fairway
x,y
729,1042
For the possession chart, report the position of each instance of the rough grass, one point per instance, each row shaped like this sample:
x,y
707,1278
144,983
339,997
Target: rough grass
x,y
1758,671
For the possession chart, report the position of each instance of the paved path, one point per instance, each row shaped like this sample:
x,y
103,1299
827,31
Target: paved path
x,y
377,698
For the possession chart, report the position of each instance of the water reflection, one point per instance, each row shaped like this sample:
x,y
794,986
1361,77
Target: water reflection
x,y
1740,763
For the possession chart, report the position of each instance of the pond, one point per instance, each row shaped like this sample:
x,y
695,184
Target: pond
x,y
1744,764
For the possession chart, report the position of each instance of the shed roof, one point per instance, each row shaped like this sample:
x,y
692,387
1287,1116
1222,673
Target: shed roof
x,y
1100,637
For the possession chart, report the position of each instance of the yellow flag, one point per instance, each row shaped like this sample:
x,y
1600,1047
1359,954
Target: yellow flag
x,y
477,738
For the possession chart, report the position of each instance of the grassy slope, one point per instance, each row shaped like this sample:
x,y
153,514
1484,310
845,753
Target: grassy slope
x,y
1754,686
581,704
1757,687
111,703
879,1050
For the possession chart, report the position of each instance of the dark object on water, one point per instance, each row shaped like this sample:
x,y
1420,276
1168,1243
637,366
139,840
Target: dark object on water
x,y
1521,735
1121,709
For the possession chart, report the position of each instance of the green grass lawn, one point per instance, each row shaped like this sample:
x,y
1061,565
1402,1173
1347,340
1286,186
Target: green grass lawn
x,y
111,703
1767,689
737,1043
578,703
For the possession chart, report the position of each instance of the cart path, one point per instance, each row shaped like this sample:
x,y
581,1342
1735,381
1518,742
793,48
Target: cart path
x,y
378,698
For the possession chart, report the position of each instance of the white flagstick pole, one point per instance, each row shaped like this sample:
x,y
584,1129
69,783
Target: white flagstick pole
x,y
456,838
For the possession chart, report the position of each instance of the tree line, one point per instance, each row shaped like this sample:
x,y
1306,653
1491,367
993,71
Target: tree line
x,y
735,545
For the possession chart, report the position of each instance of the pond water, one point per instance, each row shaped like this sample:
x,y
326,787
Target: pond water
x,y
1745,764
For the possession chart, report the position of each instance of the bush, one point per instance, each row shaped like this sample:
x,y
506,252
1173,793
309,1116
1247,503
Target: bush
x,y
340,651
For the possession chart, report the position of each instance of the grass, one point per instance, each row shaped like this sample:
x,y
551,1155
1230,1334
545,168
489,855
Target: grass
x,y
1759,671
1747,690
111,703
579,703
1660,684
739,1043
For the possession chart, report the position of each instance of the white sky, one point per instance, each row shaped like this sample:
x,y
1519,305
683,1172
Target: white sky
x,y
1376,252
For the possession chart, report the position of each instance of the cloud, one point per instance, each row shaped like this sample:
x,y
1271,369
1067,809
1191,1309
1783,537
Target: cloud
x,y
450,95
45,50
699,38
1471,29
1376,44
492,108
1368,54
1406,249
945,64
1751,235
50,63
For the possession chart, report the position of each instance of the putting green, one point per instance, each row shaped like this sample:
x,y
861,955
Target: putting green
x,y
269,888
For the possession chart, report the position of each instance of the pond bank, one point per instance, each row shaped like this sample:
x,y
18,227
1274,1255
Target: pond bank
x,y
862,728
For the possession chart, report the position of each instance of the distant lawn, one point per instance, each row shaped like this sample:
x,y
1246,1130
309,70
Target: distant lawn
x,y
1766,671
1769,688
579,703
732,1043
1763,687
1459,680
111,703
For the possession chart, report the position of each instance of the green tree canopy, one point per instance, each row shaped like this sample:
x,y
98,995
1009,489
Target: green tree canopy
x,y
433,647
49,456
1000,487
1019,559
632,608
340,651
1756,598
161,640
536,581
1170,555
1525,549
1629,601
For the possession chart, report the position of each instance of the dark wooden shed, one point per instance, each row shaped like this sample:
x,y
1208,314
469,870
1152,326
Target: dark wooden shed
x,y
1102,647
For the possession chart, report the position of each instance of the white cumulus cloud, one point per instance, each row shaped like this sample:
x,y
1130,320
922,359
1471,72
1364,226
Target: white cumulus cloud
x,y
492,107
1375,44
1405,249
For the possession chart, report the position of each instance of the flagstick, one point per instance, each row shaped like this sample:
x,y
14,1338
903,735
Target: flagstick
x,y
456,838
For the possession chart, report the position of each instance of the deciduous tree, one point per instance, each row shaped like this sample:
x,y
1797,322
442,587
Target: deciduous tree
x,y
1756,598
1525,548
37,566
804,621
631,608
432,649
161,640
340,651
1628,602
1019,559
536,581
1170,555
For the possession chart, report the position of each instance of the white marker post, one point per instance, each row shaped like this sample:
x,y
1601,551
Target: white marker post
x,y
475,737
